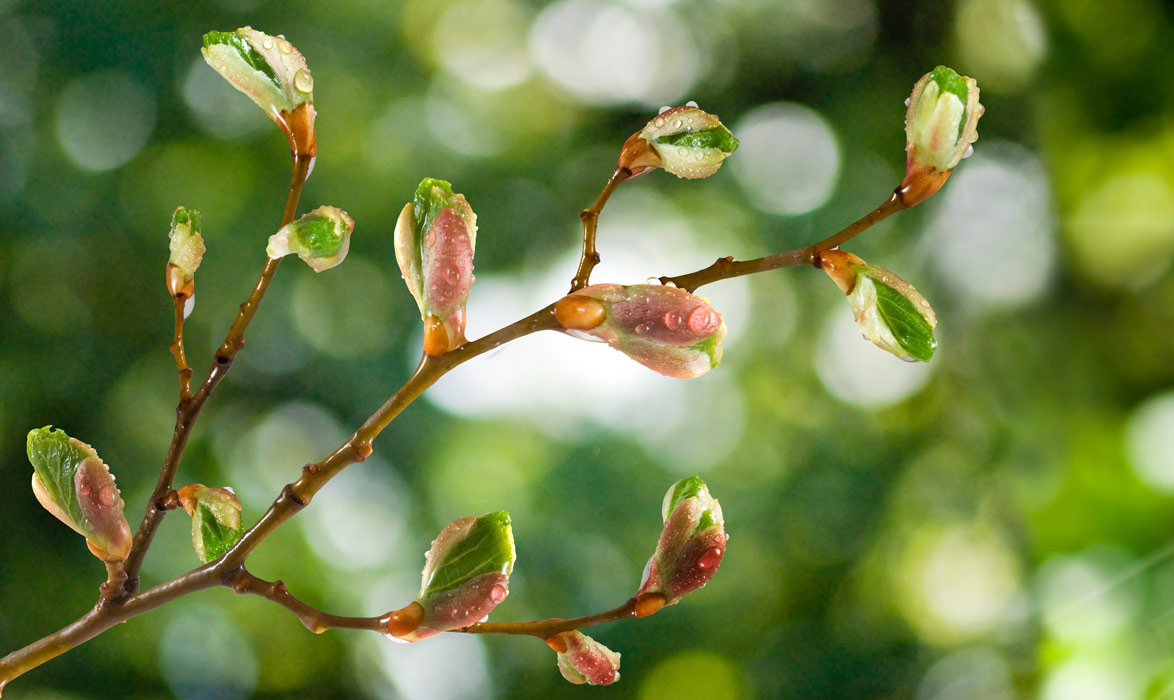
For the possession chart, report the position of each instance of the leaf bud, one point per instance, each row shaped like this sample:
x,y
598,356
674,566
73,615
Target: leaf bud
x,y
685,141
690,549
435,238
890,312
273,74
581,659
216,519
321,238
73,483
941,123
663,328
187,250
466,574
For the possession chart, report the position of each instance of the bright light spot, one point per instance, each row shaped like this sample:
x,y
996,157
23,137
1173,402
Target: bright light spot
x,y
104,119
272,451
1084,679
450,666
822,35
1081,598
345,314
1123,231
968,581
858,372
1001,41
789,160
977,673
205,656
358,522
557,381
459,127
604,53
995,255
693,675
1150,442
218,107
482,42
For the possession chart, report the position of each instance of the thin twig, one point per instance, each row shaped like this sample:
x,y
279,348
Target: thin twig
x,y
728,268
181,361
548,628
188,410
314,620
590,218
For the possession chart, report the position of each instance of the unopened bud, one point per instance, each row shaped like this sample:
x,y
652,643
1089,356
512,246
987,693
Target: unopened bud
x,y
187,250
466,574
76,486
890,312
435,238
690,549
685,141
273,74
216,519
663,328
320,238
940,126
581,659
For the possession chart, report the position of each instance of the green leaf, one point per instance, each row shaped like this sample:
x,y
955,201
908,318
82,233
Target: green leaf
x,y
951,82
318,235
683,490
487,547
215,537
718,137
55,458
910,329
247,53
427,205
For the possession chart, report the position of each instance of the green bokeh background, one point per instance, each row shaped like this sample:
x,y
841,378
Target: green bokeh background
x,y
998,525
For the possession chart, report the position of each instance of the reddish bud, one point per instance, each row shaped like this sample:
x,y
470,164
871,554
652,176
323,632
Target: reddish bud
x,y
584,660
690,549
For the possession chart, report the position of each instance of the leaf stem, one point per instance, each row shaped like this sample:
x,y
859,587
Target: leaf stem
x,y
590,219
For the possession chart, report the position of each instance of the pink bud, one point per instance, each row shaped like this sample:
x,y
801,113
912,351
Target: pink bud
x,y
581,659
663,328
690,548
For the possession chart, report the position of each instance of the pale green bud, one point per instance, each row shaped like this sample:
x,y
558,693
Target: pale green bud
x,y
320,238
216,519
685,141
187,251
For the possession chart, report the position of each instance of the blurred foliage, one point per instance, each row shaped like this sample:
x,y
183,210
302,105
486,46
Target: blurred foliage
x,y
996,525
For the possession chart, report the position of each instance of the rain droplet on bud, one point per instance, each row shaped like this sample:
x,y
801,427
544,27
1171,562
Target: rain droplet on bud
x,y
691,103
303,81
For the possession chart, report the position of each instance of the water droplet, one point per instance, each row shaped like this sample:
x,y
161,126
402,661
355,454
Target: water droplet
x,y
664,109
699,156
642,328
690,120
498,593
677,123
906,101
969,151
690,103
285,47
658,122
700,319
672,321
106,496
83,490
267,44
303,81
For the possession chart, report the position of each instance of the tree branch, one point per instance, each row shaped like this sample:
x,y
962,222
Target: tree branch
x,y
590,218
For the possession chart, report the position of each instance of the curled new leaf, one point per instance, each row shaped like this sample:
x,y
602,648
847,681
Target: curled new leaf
x,y
941,123
890,312
581,659
466,574
690,548
187,251
435,238
273,74
76,486
685,141
663,328
216,519
321,238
